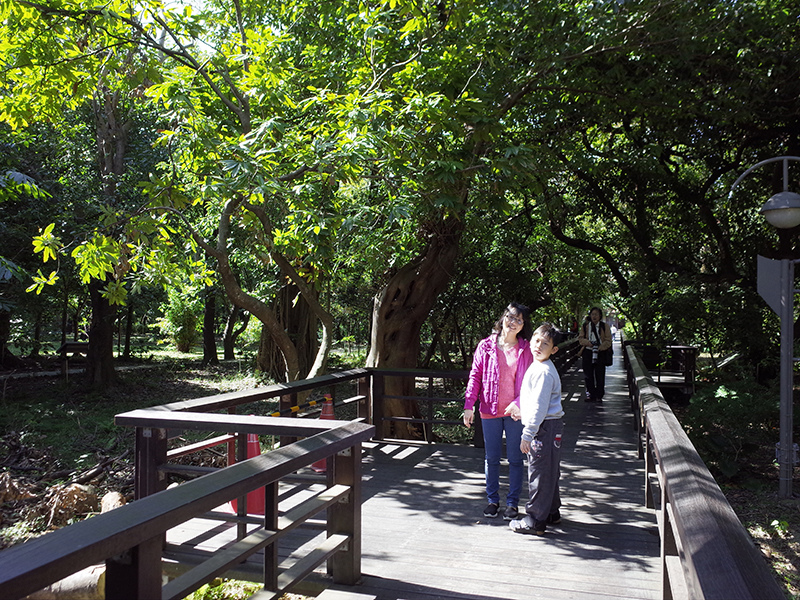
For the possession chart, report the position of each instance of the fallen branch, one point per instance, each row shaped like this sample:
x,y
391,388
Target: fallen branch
x,y
96,471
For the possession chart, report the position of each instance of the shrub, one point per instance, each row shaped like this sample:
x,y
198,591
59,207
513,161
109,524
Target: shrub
x,y
732,423
181,316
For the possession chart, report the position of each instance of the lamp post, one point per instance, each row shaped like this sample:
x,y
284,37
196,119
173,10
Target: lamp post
x,y
782,211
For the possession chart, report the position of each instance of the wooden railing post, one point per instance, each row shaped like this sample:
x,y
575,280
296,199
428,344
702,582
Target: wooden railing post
x,y
365,405
477,428
241,502
669,548
287,401
428,425
649,469
345,517
271,523
151,453
378,386
136,574
231,445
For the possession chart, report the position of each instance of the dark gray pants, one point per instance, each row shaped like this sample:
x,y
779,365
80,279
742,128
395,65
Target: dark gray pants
x,y
544,471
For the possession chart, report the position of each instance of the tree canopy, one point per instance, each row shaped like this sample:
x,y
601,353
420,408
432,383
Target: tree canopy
x,y
560,154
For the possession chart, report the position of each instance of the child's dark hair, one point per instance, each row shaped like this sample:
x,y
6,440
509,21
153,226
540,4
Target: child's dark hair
x,y
549,331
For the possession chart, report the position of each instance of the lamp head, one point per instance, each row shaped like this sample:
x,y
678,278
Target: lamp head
x,y
782,210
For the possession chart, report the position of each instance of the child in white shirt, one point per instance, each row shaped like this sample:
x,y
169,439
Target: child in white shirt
x,y
541,412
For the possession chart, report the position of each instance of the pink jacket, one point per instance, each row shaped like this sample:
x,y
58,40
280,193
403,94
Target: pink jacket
x,y
485,374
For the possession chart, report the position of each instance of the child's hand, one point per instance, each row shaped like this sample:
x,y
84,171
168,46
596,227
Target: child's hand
x,y
525,446
513,411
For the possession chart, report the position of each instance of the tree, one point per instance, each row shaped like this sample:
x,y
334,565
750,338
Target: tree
x,y
296,129
642,180
220,114
25,204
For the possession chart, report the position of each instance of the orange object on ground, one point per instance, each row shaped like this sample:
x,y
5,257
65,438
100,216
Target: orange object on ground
x,y
327,413
255,499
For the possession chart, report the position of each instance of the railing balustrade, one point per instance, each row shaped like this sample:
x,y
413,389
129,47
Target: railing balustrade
x,y
131,538
706,553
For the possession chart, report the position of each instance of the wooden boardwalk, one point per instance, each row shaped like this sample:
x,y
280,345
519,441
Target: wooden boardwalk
x,y
424,536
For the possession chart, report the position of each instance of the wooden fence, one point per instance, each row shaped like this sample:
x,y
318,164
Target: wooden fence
x,y
706,553
130,539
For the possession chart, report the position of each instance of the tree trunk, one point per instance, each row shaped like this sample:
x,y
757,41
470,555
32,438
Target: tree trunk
x,y
64,316
258,308
232,333
111,137
37,336
228,342
400,310
126,353
5,331
262,312
100,358
209,334
299,322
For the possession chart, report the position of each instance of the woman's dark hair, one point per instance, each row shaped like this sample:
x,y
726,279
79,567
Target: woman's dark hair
x,y
598,309
520,309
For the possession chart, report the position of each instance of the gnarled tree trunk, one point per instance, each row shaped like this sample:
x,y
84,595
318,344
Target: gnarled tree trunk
x,y
301,325
400,310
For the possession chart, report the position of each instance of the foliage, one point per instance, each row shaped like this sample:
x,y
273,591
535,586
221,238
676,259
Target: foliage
x,y
225,589
729,420
645,167
585,149
180,318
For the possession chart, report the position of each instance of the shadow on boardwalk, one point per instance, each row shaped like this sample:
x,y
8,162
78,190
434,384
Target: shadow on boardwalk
x,y
425,536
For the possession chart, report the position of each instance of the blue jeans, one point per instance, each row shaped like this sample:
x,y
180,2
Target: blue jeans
x,y
493,439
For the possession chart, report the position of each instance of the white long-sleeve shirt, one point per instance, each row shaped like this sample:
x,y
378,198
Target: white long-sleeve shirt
x,y
540,397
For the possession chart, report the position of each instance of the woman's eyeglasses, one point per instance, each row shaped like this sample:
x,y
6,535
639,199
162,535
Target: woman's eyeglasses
x,y
513,319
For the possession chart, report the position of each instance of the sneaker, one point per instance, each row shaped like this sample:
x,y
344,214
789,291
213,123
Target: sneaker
x,y
510,513
490,511
527,525
554,518
588,398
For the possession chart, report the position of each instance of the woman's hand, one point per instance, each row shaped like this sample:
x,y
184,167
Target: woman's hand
x,y
469,416
525,447
512,410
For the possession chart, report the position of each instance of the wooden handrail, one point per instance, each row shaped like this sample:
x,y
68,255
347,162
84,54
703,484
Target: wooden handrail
x,y
202,421
232,399
706,553
136,530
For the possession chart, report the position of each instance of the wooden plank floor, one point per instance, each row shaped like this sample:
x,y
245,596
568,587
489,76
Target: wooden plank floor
x,y
425,536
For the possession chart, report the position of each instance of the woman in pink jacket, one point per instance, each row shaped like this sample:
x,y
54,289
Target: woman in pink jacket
x,y
498,367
